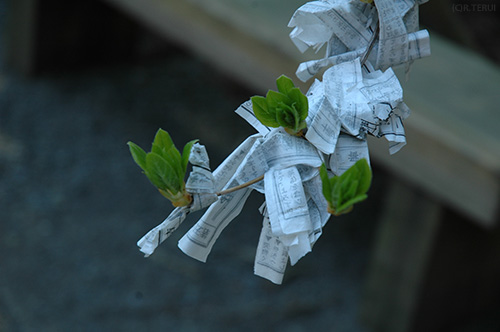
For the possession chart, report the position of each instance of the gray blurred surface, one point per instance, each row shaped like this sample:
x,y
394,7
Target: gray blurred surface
x,y
73,205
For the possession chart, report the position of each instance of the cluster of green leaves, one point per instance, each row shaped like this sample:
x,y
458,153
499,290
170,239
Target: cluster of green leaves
x,y
165,167
287,107
342,192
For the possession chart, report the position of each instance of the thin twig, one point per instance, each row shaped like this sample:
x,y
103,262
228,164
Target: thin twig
x,y
370,45
241,186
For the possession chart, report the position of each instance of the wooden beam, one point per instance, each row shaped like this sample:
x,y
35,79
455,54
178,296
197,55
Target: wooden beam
x,y
238,54
453,151
403,243
21,35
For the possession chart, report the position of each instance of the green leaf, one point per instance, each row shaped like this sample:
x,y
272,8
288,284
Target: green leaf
x,y
345,207
286,117
347,189
351,191
262,112
165,167
325,181
274,99
301,103
287,107
181,198
186,152
173,157
167,194
346,181
336,192
284,84
161,174
365,177
302,125
138,154
162,141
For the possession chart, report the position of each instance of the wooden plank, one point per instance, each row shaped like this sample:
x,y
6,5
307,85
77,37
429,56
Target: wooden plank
x,y
265,20
403,244
453,149
21,35
442,172
454,145
238,54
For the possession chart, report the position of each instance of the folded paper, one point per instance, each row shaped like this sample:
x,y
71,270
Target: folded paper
x,y
353,99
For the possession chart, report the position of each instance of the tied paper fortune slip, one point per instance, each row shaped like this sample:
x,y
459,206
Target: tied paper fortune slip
x,y
357,95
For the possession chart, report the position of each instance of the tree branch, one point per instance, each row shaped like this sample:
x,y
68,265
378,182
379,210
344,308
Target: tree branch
x,y
241,186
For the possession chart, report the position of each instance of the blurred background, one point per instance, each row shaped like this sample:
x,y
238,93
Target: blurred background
x,y
79,79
